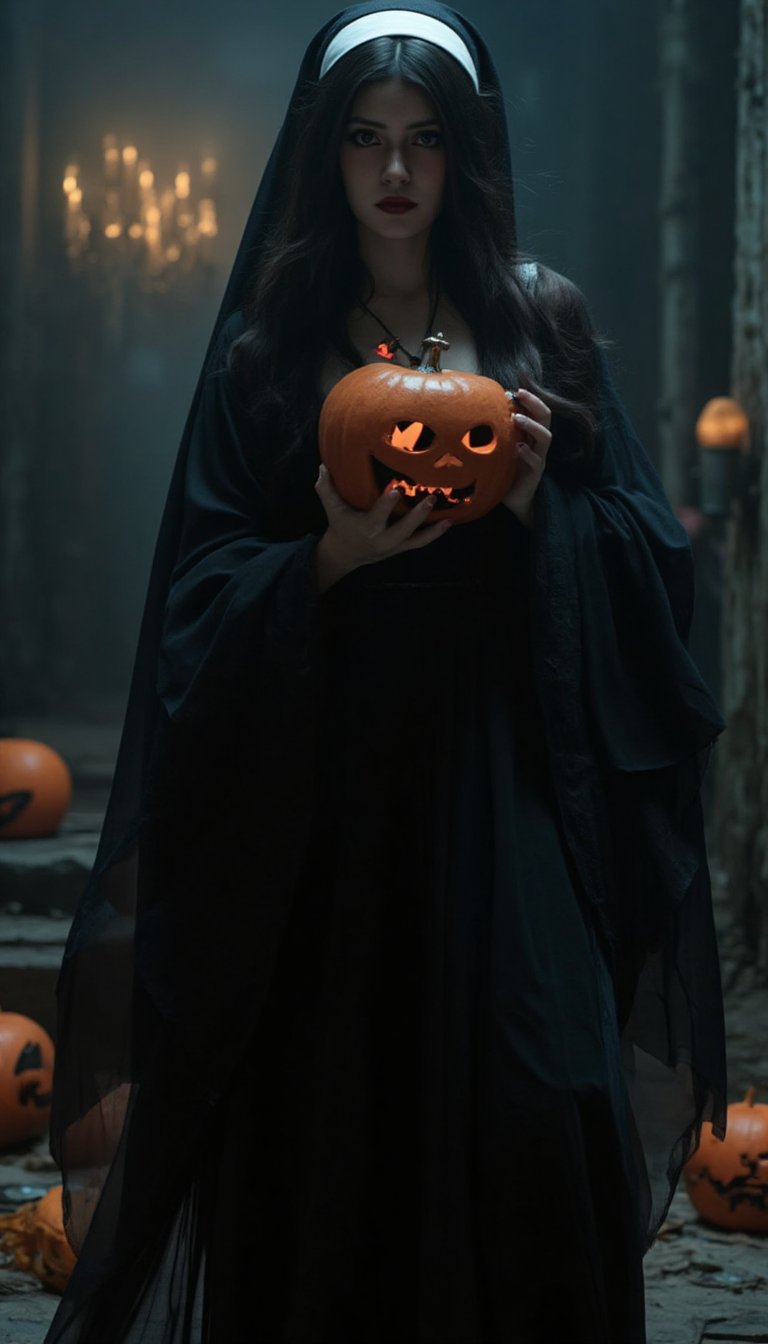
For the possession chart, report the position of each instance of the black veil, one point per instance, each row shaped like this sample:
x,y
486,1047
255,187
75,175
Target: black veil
x,y
169,957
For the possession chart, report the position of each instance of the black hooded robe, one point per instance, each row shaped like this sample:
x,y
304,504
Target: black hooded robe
x,y
393,1009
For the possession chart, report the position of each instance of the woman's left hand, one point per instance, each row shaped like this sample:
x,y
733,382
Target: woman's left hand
x,y
532,422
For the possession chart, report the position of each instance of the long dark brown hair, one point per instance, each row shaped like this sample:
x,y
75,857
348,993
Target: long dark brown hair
x,y
310,274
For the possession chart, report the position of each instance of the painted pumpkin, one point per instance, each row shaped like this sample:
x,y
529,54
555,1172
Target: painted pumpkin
x,y
35,789
435,431
34,1236
727,1180
26,1078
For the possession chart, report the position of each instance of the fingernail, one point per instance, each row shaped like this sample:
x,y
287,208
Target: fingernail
x,y
518,416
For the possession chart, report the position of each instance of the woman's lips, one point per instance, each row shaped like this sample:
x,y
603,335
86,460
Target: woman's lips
x,y
396,207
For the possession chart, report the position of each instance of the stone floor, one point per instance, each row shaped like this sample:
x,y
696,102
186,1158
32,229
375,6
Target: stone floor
x,y
702,1284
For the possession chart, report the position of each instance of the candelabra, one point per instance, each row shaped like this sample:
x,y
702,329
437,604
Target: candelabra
x,y
129,228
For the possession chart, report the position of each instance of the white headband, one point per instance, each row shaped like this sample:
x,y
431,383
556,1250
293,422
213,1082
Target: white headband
x,y
399,23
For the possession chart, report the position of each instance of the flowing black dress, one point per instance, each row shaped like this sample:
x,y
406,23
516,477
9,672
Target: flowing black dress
x,y
395,1012
434,1143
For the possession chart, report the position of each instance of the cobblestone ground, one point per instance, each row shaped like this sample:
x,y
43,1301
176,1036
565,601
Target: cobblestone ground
x,y
702,1284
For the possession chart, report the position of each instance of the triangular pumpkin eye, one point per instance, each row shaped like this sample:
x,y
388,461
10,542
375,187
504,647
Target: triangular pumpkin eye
x,y
480,439
411,436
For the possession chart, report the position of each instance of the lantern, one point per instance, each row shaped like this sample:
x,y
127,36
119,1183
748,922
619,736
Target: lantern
x,y
438,432
722,432
26,1078
35,788
727,1180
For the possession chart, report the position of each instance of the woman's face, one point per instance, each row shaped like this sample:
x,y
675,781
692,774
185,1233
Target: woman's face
x,y
402,154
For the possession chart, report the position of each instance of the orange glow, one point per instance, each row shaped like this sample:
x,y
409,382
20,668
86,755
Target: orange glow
x,y
113,230
135,231
153,215
70,183
723,423
406,438
182,185
418,491
130,155
146,178
75,196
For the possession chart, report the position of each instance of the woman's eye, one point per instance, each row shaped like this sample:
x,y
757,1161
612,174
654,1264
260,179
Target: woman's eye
x,y
352,137
434,137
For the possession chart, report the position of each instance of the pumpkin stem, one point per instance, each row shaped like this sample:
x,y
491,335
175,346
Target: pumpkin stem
x,y
431,350
749,1097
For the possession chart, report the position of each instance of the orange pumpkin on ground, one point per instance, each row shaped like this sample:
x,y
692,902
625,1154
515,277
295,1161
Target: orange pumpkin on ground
x,y
26,1078
35,789
34,1235
436,431
727,1180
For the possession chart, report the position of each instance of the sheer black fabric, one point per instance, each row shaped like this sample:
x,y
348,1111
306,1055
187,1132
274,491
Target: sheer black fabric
x,y
398,954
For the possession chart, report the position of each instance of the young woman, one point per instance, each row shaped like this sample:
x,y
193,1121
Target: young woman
x,y
392,1009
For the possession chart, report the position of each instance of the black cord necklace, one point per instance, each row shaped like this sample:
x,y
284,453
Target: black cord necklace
x,y
388,348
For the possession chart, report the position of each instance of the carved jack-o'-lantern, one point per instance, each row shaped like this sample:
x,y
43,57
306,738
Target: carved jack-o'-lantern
x,y
35,788
26,1078
435,431
727,1180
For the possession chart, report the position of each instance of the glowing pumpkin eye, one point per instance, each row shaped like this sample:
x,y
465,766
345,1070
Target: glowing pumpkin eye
x,y
411,436
480,439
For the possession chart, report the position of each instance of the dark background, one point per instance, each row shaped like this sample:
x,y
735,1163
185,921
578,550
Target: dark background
x,y
101,417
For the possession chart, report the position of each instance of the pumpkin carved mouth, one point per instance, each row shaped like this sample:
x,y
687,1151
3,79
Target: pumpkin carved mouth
x,y
444,496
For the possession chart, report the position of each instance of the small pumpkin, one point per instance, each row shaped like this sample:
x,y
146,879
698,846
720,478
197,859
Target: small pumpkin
x,y
35,789
437,431
727,1179
26,1078
34,1235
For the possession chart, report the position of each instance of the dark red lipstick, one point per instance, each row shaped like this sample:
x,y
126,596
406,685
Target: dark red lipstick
x,y
396,205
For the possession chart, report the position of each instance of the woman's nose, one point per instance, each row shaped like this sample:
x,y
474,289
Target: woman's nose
x,y
395,168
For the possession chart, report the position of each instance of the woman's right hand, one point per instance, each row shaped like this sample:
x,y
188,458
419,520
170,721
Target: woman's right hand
x,y
362,536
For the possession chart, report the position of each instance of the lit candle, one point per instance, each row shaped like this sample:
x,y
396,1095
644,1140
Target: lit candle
x,y
208,227
111,160
130,182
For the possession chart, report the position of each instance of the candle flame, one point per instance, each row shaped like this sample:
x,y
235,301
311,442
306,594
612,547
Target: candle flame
x,y
146,178
130,155
113,230
70,183
182,185
75,196
135,231
153,216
